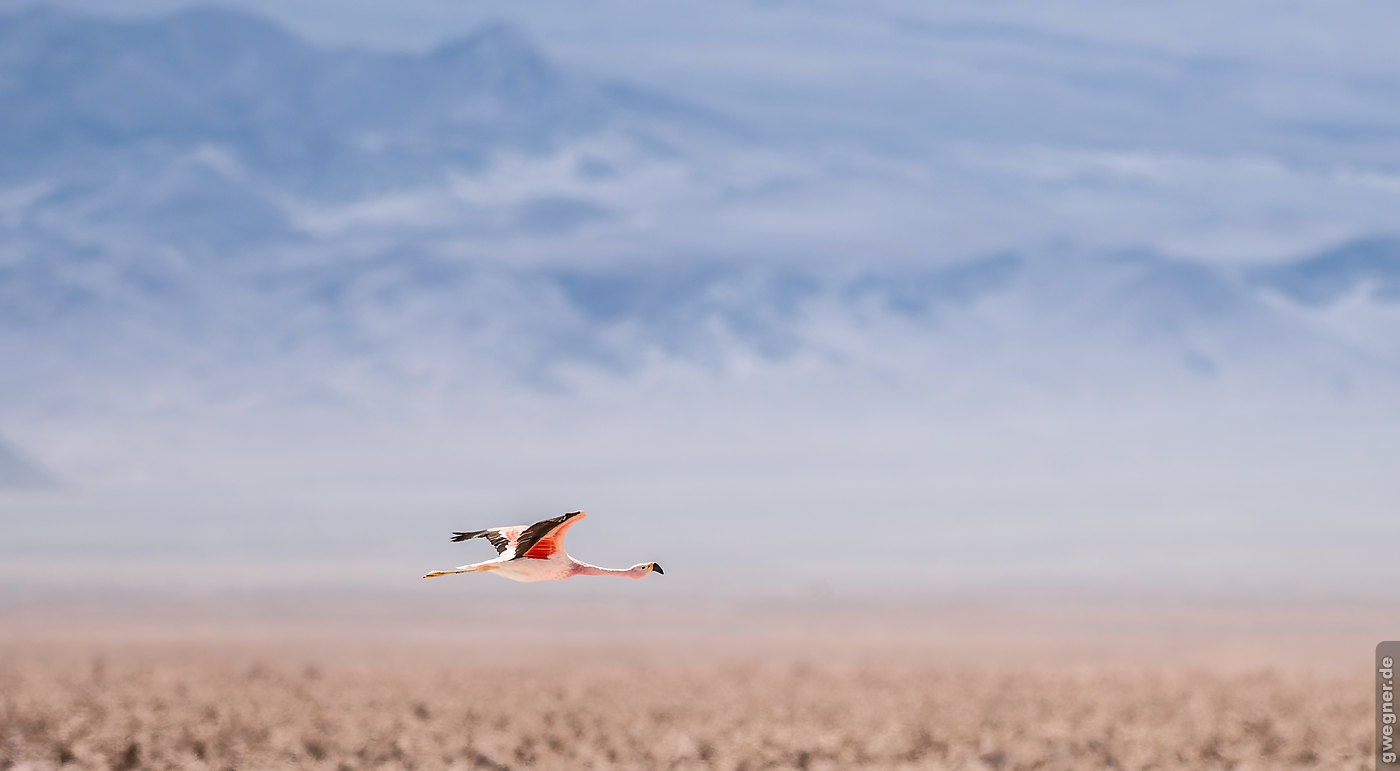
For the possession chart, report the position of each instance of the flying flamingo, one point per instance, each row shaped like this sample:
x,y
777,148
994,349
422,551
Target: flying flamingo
x,y
536,553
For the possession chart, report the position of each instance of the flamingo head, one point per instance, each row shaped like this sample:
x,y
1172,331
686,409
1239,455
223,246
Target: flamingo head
x,y
649,567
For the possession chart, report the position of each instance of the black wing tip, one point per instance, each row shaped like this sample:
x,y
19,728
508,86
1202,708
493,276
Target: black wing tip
x,y
466,536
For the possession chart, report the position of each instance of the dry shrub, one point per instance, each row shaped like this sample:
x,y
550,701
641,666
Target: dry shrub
x,y
221,712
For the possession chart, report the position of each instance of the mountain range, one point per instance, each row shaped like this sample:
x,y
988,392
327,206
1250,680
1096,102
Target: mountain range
x,y
202,196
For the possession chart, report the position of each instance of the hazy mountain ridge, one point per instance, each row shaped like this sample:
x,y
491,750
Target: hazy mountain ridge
x,y
524,323
1372,264
206,181
78,87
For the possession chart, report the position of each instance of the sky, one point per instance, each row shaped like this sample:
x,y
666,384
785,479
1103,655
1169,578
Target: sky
x,y
793,298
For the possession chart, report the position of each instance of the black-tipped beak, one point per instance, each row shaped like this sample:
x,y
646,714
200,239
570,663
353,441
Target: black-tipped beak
x,y
657,568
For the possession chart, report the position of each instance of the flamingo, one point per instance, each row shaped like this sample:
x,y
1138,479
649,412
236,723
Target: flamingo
x,y
536,553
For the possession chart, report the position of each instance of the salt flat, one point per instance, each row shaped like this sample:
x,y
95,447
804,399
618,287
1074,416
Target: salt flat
x,y
338,683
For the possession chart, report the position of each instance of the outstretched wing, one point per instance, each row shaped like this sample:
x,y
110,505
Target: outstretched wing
x,y
500,537
545,537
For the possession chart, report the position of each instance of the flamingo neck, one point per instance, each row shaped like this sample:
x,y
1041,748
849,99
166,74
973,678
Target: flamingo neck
x,y
585,569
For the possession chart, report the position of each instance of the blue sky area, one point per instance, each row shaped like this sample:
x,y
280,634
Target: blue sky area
x,y
868,297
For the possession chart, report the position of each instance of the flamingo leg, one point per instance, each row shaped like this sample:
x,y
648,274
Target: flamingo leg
x,y
463,569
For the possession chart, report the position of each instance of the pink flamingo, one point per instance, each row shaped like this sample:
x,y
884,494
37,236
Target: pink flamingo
x,y
536,553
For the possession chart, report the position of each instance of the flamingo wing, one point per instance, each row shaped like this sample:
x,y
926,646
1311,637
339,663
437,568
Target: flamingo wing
x,y
545,537
503,538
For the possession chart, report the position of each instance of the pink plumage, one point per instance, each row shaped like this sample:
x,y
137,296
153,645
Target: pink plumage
x,y
536,553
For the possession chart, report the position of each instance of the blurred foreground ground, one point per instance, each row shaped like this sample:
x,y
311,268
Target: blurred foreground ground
x,y
223,682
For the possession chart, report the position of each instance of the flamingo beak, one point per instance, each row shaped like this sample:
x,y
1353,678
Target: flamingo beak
x,y
657,568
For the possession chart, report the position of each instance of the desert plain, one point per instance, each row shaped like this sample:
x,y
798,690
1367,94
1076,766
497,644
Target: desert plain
x,y
601,682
